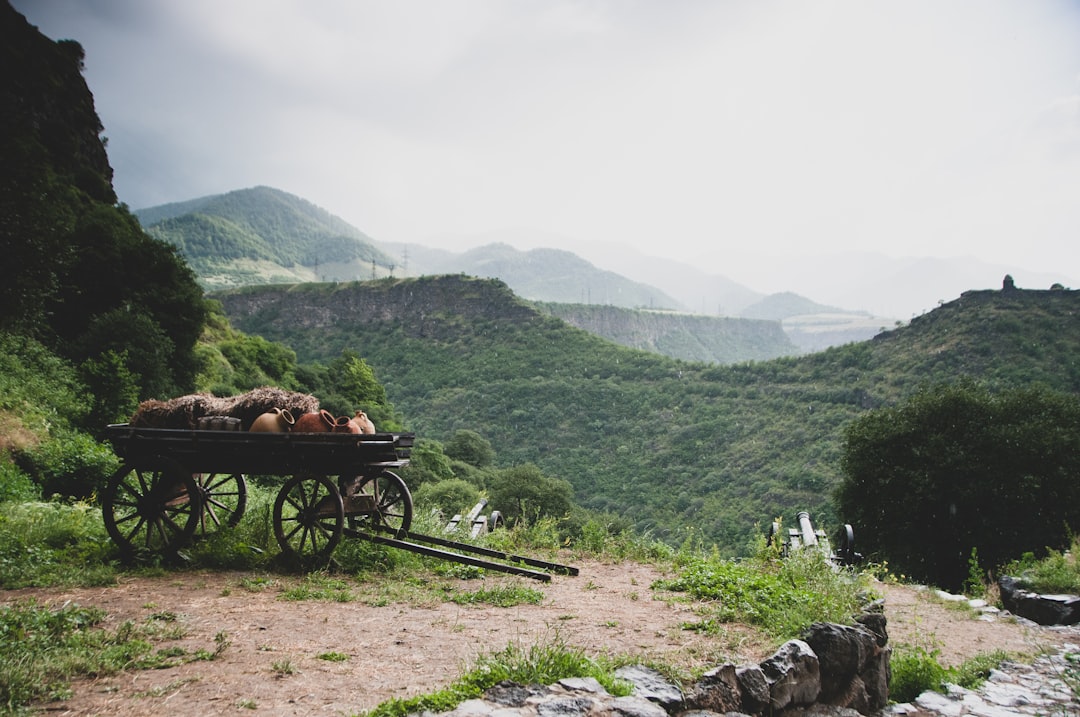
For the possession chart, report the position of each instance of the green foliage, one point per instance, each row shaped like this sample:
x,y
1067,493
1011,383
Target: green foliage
x,y
37,386
958,467
53,544
16,486
449,497
428,463
471,448
114,387
499,596
783,597
69,464
1056,573
524,493
542,663
915,671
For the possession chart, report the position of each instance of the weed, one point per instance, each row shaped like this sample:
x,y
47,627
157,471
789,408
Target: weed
x,y
782,596
333,656
283,667
319,586
502,596
542,663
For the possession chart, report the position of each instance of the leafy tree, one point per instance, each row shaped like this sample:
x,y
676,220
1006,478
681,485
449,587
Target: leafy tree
x,y
355,380
470,447
957,468
427,464
525,493
448,496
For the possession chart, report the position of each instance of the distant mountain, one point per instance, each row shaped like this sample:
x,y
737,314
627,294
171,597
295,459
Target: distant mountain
x,y
691,337
542,275
264,235
777,307
698,291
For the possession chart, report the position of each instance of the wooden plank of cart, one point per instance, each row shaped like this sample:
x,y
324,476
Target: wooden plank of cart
x,y
177,485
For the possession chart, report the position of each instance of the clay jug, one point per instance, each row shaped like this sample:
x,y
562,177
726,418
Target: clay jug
x,y
276,420
321,422
366,426
344,424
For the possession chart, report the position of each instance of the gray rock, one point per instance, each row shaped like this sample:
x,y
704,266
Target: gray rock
x,y
1042,609
716,691
635,707
754,688
793,675
651,685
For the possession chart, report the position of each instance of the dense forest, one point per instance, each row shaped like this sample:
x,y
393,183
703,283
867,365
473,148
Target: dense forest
x,y
669,444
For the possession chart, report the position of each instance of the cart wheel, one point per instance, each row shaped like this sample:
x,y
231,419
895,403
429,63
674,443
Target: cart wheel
x,y
224,498
393,504
308,519
155,510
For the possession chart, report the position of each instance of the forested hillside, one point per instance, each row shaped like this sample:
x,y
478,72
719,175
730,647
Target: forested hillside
x,y
670,444
79,276
263,235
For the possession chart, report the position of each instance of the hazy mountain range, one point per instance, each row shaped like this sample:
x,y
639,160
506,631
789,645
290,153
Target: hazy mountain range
x,y
264,235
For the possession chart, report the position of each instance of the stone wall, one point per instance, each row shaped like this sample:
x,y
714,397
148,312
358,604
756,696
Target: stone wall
x,y
833,670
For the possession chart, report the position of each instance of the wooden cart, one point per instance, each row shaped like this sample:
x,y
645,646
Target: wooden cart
x,y
176,485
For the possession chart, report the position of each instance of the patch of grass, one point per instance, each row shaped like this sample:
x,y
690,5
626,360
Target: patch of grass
x,y
1056,573
45,648
333,656
542,663
499,596
781,596
257,583
319,586
53,543
916,670
283,667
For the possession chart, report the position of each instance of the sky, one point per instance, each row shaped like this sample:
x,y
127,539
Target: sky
x,y
714,131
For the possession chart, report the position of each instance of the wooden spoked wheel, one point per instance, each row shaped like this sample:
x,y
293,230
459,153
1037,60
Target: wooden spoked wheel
x,y
224,498
308,519
393,504
155,511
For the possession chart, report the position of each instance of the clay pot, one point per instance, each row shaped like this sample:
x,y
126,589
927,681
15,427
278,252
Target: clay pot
x,y
321,422
276,420
366,426
344,424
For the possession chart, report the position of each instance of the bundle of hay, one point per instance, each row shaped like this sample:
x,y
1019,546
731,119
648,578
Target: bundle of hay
x,y
185,411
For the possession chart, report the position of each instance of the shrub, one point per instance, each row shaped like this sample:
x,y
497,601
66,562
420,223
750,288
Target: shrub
x,y
69,464
915,671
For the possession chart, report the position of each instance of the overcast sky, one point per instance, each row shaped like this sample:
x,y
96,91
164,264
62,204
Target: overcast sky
x,y
683,127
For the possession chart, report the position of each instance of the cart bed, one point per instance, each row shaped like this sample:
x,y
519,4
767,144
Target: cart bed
x,y
205,451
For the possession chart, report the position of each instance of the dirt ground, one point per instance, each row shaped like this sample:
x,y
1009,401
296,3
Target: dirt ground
x,y
390,644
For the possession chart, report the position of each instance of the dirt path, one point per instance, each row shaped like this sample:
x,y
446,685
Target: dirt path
x,y
393,648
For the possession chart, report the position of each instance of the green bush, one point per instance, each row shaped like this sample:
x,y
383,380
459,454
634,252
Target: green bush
x,y
783,597
53,544
448,496
915,671
1056,573
16,486
69,464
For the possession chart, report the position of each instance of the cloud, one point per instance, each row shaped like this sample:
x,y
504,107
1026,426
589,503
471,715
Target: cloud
x,y
694,128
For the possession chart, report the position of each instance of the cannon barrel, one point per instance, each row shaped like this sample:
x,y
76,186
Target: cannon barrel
x,y
809,538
